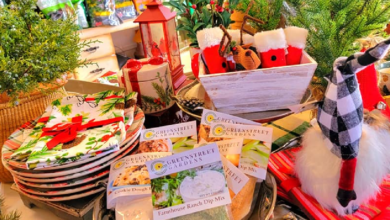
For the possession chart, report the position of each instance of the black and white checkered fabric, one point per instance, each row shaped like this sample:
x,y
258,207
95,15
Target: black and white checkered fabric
x,y
341,114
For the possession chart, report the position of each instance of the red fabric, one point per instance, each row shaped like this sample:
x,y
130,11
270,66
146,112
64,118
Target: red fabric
x,y
195,65
368,84
294,55
214,62
281,165
290,184
108,97
63,133
273,58
347,174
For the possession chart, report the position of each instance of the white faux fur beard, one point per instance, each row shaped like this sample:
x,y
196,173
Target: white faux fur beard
x,y
319,169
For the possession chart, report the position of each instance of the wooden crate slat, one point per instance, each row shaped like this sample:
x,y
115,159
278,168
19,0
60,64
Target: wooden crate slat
x,y
260,89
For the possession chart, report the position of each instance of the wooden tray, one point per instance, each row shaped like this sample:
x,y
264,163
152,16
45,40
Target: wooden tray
x,y
78,209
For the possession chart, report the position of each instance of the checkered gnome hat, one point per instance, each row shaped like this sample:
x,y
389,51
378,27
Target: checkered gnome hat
x,y
340,116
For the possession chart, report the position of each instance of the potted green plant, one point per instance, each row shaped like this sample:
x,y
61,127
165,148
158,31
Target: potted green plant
x,y
195,15
34,54
333,27
269,11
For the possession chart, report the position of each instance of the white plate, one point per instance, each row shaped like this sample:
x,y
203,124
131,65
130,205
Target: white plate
x,y
59,192
97,167
62,198
70,183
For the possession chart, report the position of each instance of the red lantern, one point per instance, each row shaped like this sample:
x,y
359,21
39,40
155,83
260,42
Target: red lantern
x,y
159,38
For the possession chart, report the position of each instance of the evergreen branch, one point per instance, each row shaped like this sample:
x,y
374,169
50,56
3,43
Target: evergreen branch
x,y
110,105
386,9
160,91
358,14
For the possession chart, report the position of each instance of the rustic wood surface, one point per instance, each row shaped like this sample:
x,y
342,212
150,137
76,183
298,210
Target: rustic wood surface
x,y
260,89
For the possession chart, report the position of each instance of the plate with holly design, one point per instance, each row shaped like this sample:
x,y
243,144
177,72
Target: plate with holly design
x,y
17,138
57,192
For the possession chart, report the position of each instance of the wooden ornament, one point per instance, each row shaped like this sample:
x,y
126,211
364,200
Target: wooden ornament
x,y
246,18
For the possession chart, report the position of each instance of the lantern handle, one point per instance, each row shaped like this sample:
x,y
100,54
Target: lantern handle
x,y
222,47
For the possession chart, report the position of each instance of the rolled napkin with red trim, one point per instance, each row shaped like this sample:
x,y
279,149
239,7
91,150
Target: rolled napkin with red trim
x,y
296,42
209,40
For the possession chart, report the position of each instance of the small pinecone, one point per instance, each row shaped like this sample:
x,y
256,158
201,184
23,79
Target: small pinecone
x,y
74,142
130,103
120,106
191,103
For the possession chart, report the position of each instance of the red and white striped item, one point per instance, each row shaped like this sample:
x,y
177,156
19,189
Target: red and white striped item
x,y
281,165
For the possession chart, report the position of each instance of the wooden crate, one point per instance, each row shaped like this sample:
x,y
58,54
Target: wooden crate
x,y
258,90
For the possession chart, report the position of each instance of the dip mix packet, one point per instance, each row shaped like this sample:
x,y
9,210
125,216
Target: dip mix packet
x,y
209,116
256,147
188,182
129,177
176,138
230,151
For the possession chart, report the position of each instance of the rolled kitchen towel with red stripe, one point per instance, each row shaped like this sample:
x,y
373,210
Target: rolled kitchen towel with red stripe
x,y
209,40
296,42
270,46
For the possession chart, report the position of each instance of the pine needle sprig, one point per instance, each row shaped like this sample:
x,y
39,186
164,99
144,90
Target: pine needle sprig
x,y
334,26
14,215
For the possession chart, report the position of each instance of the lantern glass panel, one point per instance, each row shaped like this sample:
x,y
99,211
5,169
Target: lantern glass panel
x,y
154,39
173,44
146,39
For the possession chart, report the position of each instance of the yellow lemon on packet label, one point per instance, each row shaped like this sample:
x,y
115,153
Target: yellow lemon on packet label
x,y
158,166
149,134
210,118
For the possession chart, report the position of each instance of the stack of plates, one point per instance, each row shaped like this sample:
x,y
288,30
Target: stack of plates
x,y
67,181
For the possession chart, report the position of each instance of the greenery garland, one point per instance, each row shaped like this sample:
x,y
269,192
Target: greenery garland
x,y
14,215
334,26
34,51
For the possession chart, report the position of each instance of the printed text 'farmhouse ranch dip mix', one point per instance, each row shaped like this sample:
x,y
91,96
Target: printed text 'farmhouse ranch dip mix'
x,y
176,138
256,147
129,177
209,116
188,182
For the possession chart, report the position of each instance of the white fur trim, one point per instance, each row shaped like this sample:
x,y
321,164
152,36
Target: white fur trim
x,y
296,36
209,37
247,39
318,169
267,40
236,36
